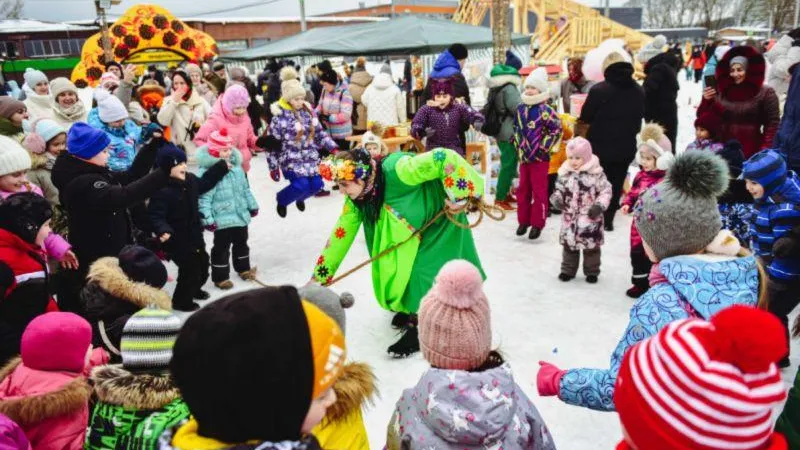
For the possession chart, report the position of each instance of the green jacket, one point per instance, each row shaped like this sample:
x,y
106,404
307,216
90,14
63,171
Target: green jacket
x,y
506,102
788,423
415,190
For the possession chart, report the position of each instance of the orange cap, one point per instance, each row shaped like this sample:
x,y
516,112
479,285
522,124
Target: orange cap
x,y
327,348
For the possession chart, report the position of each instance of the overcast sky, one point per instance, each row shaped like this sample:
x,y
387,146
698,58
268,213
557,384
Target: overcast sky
x,y
67,10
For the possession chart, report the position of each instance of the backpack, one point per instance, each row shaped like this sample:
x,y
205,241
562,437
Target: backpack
x,y
493,116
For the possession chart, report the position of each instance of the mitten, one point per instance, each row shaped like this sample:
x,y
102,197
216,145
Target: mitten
x,y
253,213
548,380
268,143
478,125
275,174
212,228
149,130
429,132
595,211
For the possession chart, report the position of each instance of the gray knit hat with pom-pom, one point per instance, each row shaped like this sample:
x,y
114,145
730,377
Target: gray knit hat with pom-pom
x,y
679,216
328,301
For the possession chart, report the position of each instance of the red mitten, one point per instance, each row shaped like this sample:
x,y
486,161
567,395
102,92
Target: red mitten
x,y
253,213
275,174
548,380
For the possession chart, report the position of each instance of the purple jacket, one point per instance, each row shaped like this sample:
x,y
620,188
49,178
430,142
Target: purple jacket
x,y
537,129
299,156
706,144
11,435
447,123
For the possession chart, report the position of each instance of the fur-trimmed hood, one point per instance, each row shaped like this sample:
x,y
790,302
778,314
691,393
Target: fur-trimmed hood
x,y
38,160
756,69
354,388
280,106
500,80
142,391
593,167
28,409
108,275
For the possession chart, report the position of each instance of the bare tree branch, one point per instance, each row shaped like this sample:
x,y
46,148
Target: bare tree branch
x,y
11,9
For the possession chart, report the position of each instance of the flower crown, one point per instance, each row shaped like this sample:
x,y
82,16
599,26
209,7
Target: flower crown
x,y
338,169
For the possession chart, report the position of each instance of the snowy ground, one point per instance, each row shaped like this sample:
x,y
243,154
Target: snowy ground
x,y
534,315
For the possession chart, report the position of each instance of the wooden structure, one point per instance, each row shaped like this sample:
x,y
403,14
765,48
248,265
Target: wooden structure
x,y
564,28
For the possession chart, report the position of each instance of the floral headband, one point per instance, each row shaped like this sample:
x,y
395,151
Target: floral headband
x,y
338,169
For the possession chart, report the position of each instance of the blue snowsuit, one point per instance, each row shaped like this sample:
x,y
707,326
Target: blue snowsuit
x,y
777,213
787,140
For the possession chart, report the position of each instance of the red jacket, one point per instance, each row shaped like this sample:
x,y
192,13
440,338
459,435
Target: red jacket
x,y
641,182
750,111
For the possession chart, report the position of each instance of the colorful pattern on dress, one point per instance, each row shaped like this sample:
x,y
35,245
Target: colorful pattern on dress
x,y
402,219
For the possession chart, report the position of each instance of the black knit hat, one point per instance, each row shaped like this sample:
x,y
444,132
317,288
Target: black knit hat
x,y
245,368
330,76
325,66
24,214
459,51
169,156
143,266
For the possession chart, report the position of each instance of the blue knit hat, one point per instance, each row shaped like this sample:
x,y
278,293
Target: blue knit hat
x,y
85,141
169,156
766,168
513,60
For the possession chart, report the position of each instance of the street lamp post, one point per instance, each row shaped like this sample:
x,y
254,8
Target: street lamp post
x,y
101,6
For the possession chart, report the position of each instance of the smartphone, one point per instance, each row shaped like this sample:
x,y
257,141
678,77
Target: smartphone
x,y
711,82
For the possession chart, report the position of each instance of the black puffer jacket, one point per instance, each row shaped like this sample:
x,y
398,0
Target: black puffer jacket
x,y
661,93
174,210
614,110
97,201
110,298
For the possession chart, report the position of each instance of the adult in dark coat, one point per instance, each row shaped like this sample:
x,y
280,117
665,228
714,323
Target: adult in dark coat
x,y
787,140
749,109
613,113
97,200
661,93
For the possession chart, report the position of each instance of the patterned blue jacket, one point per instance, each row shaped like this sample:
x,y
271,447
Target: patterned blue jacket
x,y
697,285
777,215
124,141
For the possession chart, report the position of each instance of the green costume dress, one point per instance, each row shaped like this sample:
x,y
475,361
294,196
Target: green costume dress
x,y
415,190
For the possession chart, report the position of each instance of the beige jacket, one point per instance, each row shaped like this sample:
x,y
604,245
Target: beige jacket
x,y
180,117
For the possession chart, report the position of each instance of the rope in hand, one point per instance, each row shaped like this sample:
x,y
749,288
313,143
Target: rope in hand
x,y
451,212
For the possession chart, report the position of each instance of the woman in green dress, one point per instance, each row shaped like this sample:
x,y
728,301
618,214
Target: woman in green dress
x,y
393,197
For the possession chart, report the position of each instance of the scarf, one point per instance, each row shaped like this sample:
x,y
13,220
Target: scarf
x,y
7,128
71,114
531,100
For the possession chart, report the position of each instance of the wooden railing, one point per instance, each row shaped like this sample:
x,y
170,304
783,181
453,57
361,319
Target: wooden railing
x,y
472,12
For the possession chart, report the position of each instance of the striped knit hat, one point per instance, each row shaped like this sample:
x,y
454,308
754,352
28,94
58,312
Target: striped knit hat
x,y
766,168
147,340
704,385
219,140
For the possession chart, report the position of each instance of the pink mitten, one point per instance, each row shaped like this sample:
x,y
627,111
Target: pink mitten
x,y
548,380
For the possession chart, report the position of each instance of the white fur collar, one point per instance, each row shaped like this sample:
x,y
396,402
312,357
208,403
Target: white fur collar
x,y
500,80
592,167
535,99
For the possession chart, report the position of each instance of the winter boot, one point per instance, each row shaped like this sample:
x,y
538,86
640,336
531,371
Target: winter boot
x,y
224,285
565,277
202,295
510,198
504,205
609,226
635,291
248,275
301,205
408,344
521,230
535,233
282,211
591,279
400,320
193,306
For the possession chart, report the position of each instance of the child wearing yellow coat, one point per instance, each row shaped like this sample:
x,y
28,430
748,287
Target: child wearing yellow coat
x,y
557,159
343,426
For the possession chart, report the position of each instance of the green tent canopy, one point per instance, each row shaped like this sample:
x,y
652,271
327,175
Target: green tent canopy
x,y
408,34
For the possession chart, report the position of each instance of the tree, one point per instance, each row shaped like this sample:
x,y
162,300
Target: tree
x,y
11,9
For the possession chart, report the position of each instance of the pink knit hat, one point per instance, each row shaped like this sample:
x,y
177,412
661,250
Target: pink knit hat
x,y
219,140
580,147
455,330
109,79
235,96
56,341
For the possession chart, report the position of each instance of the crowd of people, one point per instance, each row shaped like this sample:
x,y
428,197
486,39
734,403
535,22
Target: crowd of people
x,y
96,197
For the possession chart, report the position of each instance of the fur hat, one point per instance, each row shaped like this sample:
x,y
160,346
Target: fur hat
x,y
679,216
711,122
33,77
767,168
710,385
23,214
236,96
42,132
612,58
455,329
60,85
290,84
459,51
13,158
147,340
654,142
580,147
539,80
373,136
249,364
85,141
329,302
109,107
143,266
10,106
56,341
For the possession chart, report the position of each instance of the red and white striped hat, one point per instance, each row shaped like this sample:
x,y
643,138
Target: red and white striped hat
x,y
705,385
217,141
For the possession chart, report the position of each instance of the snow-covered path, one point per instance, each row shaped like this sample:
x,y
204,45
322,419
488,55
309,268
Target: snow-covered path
x,y
534,315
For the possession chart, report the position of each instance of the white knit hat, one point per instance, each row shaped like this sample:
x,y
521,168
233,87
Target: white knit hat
x,y
34,77
60,85
13,158
290,85
538,79
109,107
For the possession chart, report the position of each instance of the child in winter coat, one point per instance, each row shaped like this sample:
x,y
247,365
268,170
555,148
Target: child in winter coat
x,y
557,159
736,205
679,223
227,209
37,93
175,214
44,390
230,113
733,391
45,142
468,399
12,114
537,130
24,276
14,165
372,142
257,370
654,157
442,124
777,224
112,118
582,194
302,137
118,287
343,425
138,401
707,131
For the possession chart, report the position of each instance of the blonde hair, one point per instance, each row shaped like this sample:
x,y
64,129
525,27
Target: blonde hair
x,y
361,62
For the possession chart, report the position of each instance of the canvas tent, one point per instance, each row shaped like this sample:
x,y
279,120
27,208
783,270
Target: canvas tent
x,y
405,35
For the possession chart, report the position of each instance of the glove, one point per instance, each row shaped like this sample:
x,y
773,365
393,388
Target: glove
x,y
429,132
595,211
268,143
478,125
212,228
253,213
149,130
548,380
275,174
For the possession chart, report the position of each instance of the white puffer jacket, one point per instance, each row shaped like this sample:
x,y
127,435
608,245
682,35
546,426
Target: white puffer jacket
x,y
384,101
